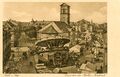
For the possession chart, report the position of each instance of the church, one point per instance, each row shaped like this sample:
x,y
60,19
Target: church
x,y
57,28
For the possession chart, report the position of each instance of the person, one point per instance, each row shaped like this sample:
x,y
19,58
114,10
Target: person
x,y
7,70
31,63
81,51
77,64
56,70
13,56
100,70
24,55
60,70
83,67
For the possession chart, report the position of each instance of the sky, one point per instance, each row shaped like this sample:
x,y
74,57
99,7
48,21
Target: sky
x,y
50,11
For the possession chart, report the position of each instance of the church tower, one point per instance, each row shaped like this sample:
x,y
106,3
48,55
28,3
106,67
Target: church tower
x,y
65,13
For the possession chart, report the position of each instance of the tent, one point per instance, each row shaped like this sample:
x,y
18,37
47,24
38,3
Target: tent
x,y
75,49
89,57
87,68
21,49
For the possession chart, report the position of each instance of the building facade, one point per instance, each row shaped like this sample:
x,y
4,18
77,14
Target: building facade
x,y
54,29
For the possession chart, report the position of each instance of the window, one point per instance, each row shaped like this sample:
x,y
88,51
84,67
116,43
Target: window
x,y
64,10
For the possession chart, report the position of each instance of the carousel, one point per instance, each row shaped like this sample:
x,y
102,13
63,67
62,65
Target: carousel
x,y
56,52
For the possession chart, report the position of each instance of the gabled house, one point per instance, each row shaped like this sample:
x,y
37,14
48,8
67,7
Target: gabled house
x,y
54,29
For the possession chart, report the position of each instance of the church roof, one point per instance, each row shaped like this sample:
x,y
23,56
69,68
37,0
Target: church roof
x,y
64,4
55,27
10,23
62,25
49,30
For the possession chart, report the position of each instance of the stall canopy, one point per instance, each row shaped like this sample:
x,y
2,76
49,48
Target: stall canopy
x,y
21,49
50,42
75,49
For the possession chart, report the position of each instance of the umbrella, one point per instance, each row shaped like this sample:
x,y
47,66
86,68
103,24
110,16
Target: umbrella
x,y
89,56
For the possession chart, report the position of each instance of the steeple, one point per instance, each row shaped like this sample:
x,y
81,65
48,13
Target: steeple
x,y
65,13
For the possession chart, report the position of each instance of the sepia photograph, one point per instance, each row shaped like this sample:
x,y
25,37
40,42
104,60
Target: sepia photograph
x,y
55,38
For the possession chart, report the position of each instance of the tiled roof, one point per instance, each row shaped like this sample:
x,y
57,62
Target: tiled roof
x,y
83,21
39,23
62,25
49,30
58,27
9,24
